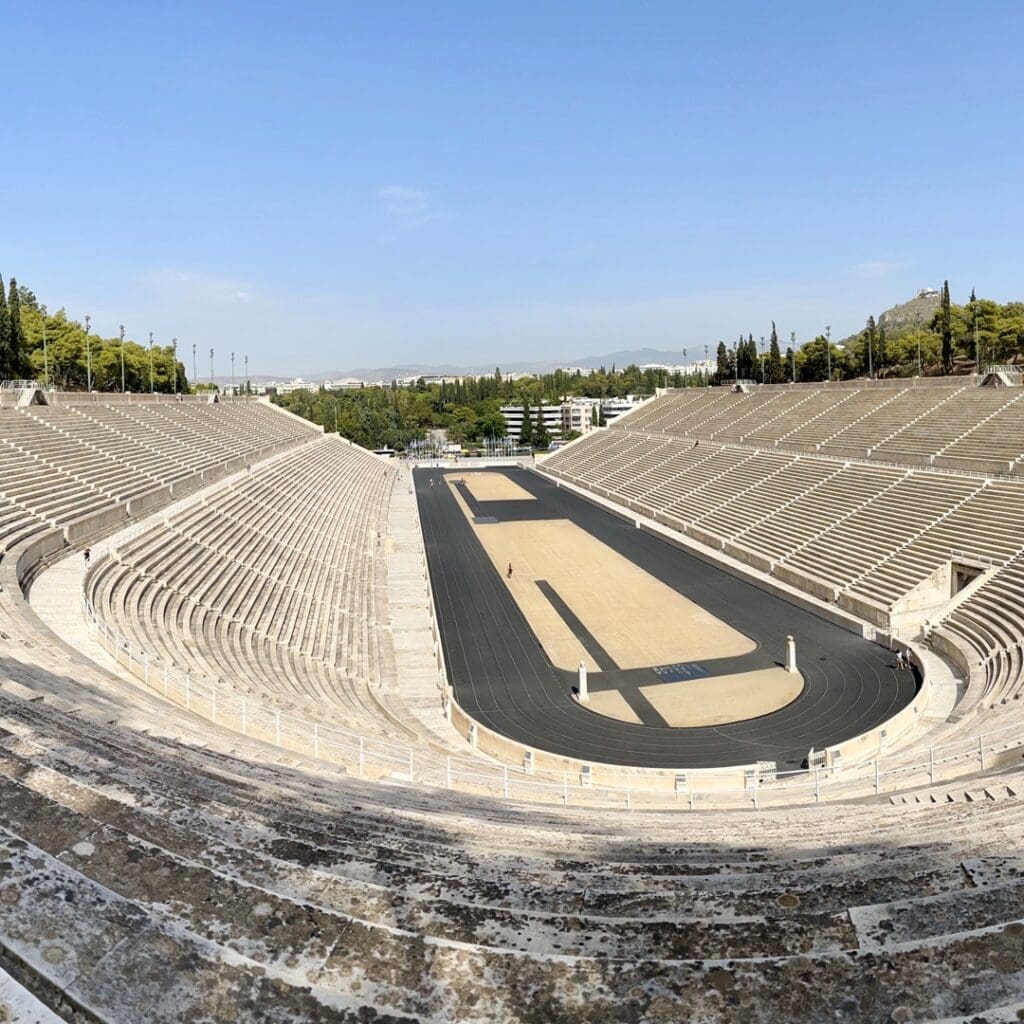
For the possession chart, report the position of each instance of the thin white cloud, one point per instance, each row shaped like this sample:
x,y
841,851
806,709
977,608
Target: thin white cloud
x,y
876,270
202,288
408,207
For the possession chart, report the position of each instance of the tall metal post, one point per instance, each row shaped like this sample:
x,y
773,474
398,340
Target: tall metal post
x,y
152,387
174,360
828,351
792,349
122,359
211,369
232,374
88,356
195,372
977,355
46,358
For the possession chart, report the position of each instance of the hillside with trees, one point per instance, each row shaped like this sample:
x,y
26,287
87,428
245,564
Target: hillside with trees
x,y
50,347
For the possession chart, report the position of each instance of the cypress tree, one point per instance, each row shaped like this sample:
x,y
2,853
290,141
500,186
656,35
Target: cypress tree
x,y
526,432
870,346
946,329
7,370
881,353
788,371
16,339
722,372
774,359
540,433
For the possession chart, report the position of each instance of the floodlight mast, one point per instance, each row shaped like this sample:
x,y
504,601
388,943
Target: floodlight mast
x,y
88,355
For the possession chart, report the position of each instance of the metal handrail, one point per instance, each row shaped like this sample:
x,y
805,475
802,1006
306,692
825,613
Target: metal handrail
x,y
375,756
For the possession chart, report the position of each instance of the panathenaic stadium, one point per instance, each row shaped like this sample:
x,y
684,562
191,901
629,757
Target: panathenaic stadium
x,y
711,715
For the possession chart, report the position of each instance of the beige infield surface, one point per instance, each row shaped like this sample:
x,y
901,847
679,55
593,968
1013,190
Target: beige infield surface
x,y
721,699
493,487
714,701
637,619
612,704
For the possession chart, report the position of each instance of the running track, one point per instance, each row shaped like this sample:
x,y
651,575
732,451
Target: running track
x,y
504,680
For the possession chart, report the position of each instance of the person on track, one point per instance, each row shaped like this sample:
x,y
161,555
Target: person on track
x,y
508,575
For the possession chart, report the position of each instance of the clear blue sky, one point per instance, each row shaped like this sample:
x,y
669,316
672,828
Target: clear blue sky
x,y
334,185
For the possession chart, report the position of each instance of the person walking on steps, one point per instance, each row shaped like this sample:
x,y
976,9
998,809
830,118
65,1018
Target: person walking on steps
x,y
86,553
508,575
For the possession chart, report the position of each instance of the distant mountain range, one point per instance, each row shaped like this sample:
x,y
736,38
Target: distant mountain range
x,y
640,356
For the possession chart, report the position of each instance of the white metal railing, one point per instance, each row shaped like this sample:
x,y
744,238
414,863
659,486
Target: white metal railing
x,y
372,756
20,385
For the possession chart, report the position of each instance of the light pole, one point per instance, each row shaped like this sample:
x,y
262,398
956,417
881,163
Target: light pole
x,y
735,367
977,355
46,361
686,368
917,334
152,389
232,374
122,359
871,356
211,369
792,351
174,361
88,356
246,358
705,364
195,372
762,359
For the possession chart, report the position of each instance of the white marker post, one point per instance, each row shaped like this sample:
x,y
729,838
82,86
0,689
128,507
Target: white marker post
x,y
584,696
790,654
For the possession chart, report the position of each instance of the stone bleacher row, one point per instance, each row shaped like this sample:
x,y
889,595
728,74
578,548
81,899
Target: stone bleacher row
x,y
61,464
268,589
846,531
987,627
949,424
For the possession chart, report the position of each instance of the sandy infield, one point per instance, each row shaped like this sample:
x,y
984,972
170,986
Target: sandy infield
x,y
714,701
612,704
492,487
637,619
721,699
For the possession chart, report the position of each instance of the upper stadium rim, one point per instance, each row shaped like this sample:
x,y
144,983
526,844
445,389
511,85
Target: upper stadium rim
x,y
253,807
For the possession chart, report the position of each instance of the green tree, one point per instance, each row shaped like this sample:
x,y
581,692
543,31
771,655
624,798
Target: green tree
x,y
723,368
541,438
870,346
7,370
775,372
526,432
944,318
16,335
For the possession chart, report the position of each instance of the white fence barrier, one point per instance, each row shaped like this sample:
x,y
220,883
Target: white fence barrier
x,y
375,757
